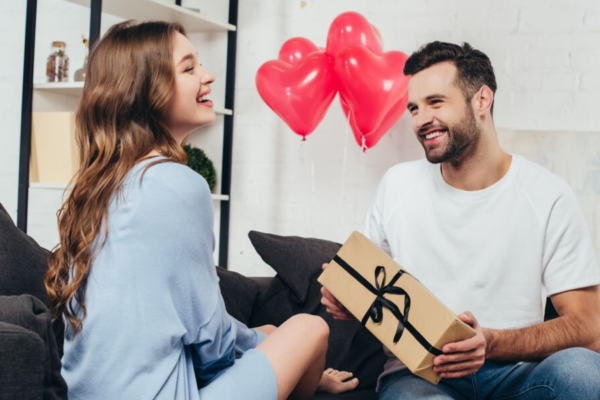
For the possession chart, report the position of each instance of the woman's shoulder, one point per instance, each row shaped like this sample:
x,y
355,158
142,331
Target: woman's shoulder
x,y
170,179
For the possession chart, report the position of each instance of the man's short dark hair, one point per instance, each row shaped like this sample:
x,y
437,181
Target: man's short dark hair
x,y
473,66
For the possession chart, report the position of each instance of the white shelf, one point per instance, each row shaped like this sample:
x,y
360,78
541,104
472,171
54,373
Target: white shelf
x,y
220,197
66,88
63,186
49,186
145,10
75,88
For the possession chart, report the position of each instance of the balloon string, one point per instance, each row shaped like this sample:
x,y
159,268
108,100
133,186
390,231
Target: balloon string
x,y
362,162
310,180
345,159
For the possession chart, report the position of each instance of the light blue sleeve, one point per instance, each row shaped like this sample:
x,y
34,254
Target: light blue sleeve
x,y
174,215
246,338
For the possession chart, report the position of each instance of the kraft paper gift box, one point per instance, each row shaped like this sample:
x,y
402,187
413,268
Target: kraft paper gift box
x,y
406,317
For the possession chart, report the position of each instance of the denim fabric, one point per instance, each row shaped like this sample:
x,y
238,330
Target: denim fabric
x,y
569,374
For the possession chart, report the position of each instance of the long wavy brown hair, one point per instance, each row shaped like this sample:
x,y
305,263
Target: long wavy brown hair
x,y
120,119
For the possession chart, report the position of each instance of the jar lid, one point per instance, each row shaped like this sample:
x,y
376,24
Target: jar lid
x,y
59,44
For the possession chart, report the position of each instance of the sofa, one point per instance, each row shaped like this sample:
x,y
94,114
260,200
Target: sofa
x,y
31,346
294,289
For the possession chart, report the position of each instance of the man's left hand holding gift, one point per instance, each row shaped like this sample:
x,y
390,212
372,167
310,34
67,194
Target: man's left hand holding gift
x,y
463,358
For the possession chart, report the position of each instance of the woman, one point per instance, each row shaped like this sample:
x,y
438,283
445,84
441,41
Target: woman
x,y
133,275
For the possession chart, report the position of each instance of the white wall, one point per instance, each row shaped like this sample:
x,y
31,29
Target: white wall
x,y
546,56
545,52
65,21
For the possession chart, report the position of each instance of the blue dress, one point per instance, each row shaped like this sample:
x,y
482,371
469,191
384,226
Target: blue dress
x,y
156,325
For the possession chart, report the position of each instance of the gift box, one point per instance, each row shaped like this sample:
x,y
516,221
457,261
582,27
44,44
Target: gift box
x,y
406,317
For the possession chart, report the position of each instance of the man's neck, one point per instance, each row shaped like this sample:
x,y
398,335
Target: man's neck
x,y
480,167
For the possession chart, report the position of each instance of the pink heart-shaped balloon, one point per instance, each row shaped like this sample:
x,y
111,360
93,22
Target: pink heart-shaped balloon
x,y
350,29
377,36
370,84
370,140
295,49
301,93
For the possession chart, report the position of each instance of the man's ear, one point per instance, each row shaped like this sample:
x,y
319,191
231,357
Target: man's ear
x,y
483,100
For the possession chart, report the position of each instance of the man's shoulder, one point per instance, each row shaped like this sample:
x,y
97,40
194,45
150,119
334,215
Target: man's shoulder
x,y
409,172
537,181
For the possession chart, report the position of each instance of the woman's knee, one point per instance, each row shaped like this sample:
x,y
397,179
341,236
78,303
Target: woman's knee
x,y
314,326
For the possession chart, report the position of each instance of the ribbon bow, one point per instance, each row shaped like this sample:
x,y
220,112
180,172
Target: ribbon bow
x,y
376,309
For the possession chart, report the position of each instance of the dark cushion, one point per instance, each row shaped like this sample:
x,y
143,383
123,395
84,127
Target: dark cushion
x,y
296,260
23,264
30,313
21,363
358,394
239,294
295,290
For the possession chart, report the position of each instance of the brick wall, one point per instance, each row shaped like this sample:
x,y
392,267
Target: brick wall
x,y
545,53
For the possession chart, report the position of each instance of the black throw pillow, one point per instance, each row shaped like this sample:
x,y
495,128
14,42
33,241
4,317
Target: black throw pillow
x,y
295,290
30,313
239,294
23,264
21,363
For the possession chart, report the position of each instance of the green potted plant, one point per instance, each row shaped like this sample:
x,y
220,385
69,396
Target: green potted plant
x,y
199,162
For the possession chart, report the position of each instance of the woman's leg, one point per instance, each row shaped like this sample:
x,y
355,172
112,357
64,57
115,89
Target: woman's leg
x,y
332,380
296,351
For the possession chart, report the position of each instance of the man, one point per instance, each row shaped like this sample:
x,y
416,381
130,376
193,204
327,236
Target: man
x,y
488,232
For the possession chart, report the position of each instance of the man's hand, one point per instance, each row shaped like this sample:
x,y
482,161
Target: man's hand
x,y
462,358
334,307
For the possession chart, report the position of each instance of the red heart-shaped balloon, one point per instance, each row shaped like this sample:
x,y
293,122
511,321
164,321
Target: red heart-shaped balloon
x,y
370,140
370,84
301,93
296,49
351,28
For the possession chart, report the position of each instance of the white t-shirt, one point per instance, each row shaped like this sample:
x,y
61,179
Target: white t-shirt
x,y
497,252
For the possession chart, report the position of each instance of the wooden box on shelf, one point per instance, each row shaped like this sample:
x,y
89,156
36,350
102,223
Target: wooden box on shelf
x,y
54,156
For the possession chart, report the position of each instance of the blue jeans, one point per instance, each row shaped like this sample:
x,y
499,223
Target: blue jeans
x,y
569,374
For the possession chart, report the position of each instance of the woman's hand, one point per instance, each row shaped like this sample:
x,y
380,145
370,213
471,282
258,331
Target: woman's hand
x,y
333,306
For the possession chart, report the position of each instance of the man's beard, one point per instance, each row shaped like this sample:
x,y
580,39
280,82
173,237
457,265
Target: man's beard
x,y
458,139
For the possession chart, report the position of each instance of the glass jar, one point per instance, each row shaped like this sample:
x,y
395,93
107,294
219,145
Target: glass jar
x,y
57,67
80,73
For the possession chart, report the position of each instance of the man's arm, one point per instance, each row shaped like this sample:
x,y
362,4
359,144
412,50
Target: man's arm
x,y
578,325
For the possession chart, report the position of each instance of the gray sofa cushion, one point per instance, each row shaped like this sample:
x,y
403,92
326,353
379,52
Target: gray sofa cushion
x,y
239,294
21,363
30,313
296,260
23,264
295,290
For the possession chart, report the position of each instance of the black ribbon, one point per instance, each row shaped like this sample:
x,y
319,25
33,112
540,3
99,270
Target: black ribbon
x,y
375,311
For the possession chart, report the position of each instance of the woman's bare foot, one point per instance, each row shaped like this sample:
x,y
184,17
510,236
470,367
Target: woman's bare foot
x,y
334,381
